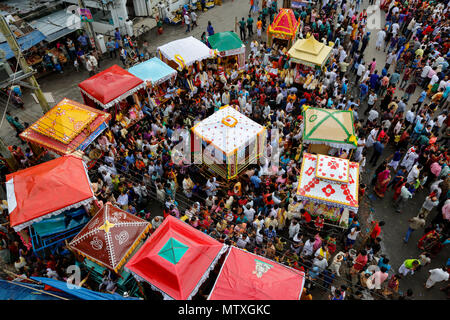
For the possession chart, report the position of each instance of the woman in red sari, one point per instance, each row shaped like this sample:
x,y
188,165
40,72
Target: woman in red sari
x,y
430,243
383,179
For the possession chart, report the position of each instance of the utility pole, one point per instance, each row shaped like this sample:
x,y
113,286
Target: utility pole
x,y
90,30
4,28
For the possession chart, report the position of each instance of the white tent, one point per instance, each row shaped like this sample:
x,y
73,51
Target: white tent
x,y
233,137
185,52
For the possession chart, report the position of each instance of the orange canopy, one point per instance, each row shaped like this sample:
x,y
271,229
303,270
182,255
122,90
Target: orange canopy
x,y
46,190
284,23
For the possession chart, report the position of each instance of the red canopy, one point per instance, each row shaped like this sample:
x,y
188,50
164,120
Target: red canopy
x,y
176,259
46,190
284,23
247,276
111,86
110,237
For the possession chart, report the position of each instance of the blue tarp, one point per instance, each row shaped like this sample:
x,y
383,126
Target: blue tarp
x,y
153,70
80,292
10,290
92,137
62,222
25,42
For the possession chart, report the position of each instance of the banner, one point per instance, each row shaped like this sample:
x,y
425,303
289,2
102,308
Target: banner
x,y
85,15
92,137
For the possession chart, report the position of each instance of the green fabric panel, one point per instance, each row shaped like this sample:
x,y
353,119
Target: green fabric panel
x,y
173,250
224,41
50,226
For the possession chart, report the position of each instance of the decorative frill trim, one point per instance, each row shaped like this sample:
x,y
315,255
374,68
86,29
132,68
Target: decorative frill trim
x,y
118,99
52,214
332,144
198,59
163,79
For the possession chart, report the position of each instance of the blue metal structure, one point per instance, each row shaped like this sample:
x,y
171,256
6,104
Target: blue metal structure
x,y
79,292
125,283
52,232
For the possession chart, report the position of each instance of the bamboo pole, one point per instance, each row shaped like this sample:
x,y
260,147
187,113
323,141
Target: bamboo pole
x,y
5,29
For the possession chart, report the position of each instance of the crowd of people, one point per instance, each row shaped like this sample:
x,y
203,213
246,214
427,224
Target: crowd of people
x,y
407,144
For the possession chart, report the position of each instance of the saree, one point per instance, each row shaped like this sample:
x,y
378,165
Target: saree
x,y
383,179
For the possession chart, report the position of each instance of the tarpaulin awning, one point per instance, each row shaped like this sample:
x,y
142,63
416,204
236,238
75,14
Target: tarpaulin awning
x,y
332,127
247,276
46,190
284,23
176,259
226,42
80,292
186,51
309,52
110,237
25,42
15,290
314,187
154,71
66,127
111,86
58,24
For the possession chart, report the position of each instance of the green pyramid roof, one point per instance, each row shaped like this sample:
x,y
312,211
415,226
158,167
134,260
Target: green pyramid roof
x,y
224,41
173,250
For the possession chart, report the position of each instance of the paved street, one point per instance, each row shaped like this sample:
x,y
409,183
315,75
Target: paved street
x,y
223,19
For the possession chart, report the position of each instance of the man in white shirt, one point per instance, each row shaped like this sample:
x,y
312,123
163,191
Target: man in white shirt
x,y
242,241
425,72
279,98
156,222
249,212
440,120
308,247
194,19
371,100
395,10
391,57
381,35
122,200
434,79
428,205
248,108
320,262
242,101
187,22
395,27
436,275
409,117
211,186
289,107
332,74
258,223
225,98
360,71
414,173
294,228
405,194
373,115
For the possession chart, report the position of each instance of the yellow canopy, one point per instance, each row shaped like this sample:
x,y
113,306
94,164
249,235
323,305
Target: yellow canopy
x,y
309,52
64,121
